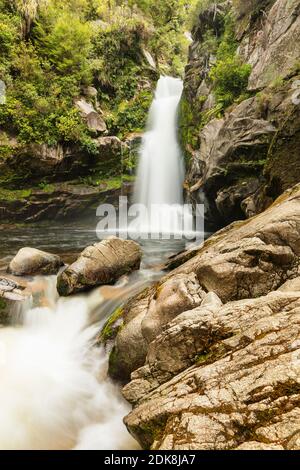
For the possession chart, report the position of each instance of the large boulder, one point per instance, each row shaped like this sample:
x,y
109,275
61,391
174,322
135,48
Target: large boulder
x,y
30,262
241,390
223,367
14,295
145,317
100,264
247,259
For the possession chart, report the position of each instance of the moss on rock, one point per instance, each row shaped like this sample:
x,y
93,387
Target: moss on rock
x,y
112,326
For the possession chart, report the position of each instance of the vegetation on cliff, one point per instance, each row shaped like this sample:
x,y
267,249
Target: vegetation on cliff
x,y
53,50
239,122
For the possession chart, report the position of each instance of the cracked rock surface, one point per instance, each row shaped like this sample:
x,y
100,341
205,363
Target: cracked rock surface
x,y
221,369
101,264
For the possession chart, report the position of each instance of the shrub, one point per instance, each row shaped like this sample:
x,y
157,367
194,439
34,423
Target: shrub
x,y
66,44
8,36
229,74
230,77
131,115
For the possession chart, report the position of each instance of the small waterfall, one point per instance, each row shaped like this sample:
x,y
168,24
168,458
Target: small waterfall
x,y
159,186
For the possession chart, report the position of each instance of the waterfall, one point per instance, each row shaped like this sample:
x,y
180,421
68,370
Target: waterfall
x,y
159,185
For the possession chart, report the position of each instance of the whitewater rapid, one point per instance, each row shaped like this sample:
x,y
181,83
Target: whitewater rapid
x,y
55,393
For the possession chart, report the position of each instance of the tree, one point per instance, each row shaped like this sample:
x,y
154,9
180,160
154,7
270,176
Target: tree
x,y
66,42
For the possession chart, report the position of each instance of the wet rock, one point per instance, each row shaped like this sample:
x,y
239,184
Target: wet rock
x,y
31,262
58,201
13,295
109,161
61,162
131,154
100,264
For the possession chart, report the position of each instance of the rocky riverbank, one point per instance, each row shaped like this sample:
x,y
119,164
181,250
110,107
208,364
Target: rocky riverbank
x,y
210,355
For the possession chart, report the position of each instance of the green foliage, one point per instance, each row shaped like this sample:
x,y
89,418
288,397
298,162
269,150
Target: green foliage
x,y
131,115
7,195
46,187
70,126
8,40
230,77
229,74
52,50
65,42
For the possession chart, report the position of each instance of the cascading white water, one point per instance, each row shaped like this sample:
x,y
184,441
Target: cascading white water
x,y
159,186
55,394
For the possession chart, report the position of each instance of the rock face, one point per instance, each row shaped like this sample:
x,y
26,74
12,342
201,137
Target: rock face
x,y
13,294
216,362
144,318
59,201
243,389
62,162
100,264
243,161
61,181
273,47
31,262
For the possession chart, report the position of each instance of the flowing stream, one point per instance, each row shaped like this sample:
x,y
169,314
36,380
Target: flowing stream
x,y
55,392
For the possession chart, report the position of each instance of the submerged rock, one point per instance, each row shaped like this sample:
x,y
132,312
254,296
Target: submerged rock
x,y
30,262
100,264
